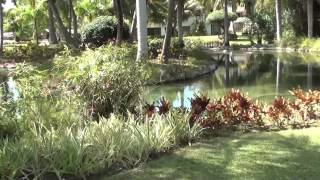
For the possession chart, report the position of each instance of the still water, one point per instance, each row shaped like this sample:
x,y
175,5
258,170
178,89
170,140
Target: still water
x,y
262,75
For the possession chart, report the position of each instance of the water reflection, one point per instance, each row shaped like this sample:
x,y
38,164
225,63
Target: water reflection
x,y
262,75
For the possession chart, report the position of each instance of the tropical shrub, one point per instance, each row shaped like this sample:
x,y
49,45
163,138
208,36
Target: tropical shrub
x,y
232,110
217,17
107,79
298,112
116,142
102,30
177,50
31,51
280,112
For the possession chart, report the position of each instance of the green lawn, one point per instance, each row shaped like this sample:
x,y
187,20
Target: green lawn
x,y
293,154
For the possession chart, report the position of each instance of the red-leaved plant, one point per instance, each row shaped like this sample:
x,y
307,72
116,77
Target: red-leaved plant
x,y
198,106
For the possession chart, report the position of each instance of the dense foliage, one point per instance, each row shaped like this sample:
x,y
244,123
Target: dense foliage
x,y
101,31
218,17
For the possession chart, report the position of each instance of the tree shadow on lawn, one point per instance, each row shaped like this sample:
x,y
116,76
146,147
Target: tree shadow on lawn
x,y
251,156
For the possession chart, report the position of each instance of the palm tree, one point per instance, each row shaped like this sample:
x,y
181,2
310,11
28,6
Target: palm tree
x,y
142,32
35,20
52,29
119,14
180,12
1,26
226,24
167,39
72,43
310,18
278,17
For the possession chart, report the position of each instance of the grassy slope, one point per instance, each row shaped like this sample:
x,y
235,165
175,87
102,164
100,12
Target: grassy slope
x,y
292,154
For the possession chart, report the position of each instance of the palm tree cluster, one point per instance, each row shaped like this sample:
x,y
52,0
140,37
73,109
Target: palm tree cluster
x,y
65,16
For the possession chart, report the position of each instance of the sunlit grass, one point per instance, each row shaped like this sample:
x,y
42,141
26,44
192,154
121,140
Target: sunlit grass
x,y
292,154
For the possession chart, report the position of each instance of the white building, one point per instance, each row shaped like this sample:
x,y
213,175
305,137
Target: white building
x,y
155,29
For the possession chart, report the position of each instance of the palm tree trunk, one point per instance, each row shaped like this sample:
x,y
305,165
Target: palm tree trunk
x,y
1,28
167,39
52,29
226,24
234,10
180,11
74,20
310,18
119,13
35,27
71,43
142,31
278,16
133,28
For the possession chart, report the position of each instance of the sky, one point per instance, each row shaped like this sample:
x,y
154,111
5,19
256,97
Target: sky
x,y
8,5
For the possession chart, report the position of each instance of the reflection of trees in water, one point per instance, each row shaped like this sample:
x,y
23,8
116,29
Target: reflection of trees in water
x,y
246,73
261,72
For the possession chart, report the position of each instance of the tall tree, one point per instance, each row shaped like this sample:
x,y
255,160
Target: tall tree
x,y
133,27
180,12
279,20
167,38
52,29
141,14
71,43
1,26
74,19
35,20
226,24
310,18
119,13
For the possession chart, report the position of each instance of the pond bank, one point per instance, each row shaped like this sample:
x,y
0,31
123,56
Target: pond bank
x,y
166,73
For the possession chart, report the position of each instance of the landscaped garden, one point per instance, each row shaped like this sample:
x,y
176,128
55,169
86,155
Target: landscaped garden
x,y
177,89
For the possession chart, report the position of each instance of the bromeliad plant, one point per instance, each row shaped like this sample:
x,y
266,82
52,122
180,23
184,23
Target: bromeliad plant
x,y
232,110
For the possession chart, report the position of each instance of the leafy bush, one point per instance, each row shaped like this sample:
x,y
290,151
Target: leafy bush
x,y
31,51
218,17
298,112
107,79
176,49
102,30
234,109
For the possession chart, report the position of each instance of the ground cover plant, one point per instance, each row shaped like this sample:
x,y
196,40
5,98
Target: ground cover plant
x,y
289,154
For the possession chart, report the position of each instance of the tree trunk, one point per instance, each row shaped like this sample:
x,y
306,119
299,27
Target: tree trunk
x,y
310,18
52,29
142,31
234,10
133,28
167,38
1,28
71,43
278,17
74,21
70,17
226,24
35,27
119,14
180,11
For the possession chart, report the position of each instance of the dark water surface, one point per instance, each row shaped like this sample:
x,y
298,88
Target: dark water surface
x,y
263,75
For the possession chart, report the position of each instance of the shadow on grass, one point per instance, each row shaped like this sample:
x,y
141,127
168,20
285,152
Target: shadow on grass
x,y
252,156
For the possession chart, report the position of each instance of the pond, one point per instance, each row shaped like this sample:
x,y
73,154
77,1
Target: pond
x,y
262,75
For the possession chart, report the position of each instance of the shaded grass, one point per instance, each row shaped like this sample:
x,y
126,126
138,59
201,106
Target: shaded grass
x,y
292,154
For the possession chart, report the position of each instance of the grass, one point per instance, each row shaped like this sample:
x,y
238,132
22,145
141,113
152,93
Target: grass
x,y
240,41
292,154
